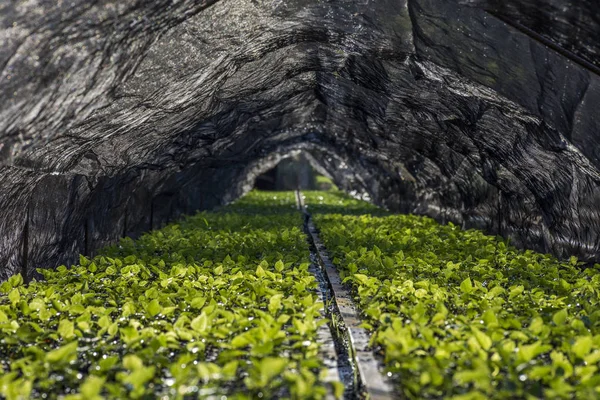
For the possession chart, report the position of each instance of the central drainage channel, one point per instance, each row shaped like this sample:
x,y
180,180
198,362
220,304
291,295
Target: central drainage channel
x,y
355,364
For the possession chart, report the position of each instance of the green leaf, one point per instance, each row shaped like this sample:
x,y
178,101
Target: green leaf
x,y
83,261
15,280
128,309
14,296
275,303
539,372
338,389
593,357
495,291
137,379
362,278
132,362
240,341
13,388
37,304
537,324
300,326
279,266
490,318
230,369
107,363
131,259
260,272
389,262
64,354
129,334
93,267
582,346
529,352
76,309
270,367
198,302
516,291
573,260
484,340
466,286
561,365
3,317
66,329
200,323
560,317
92,386
104,322
154,308
83,325
479,377
113,329
208,371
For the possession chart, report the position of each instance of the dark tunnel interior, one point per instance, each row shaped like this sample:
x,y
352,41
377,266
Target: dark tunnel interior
x,y
118,116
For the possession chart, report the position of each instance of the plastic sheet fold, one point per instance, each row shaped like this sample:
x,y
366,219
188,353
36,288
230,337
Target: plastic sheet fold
x,y
117,116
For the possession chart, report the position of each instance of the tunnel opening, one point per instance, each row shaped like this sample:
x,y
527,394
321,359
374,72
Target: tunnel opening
x,y
292,173
295,172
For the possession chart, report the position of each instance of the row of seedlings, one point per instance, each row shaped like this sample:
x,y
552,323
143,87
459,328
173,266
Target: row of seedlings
x,y
458,314
218,305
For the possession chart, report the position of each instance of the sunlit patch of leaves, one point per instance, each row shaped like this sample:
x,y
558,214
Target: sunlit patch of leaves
x,y
218,304
458,314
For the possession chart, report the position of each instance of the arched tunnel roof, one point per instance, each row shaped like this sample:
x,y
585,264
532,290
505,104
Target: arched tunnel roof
x,y
118,115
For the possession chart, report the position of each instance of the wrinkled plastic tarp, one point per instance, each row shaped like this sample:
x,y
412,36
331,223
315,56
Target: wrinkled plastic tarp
x,y
116,116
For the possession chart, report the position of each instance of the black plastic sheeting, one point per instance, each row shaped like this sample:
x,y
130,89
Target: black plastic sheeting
x,y
117,116
572,25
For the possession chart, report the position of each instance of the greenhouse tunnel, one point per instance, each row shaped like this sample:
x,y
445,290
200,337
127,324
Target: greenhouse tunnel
x,y
117,116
